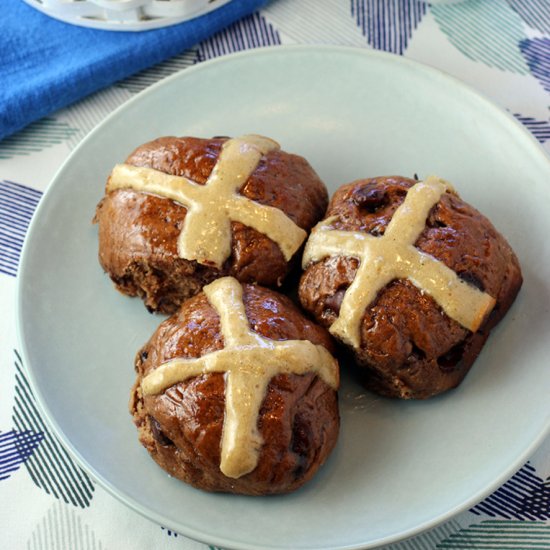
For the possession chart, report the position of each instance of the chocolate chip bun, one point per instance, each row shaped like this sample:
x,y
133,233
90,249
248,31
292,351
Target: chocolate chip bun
x,y
190,407
141,221
414,335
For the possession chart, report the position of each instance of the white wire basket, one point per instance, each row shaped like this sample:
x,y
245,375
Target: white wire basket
x,y
125,15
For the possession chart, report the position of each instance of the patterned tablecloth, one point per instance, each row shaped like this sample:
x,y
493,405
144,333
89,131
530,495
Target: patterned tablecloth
x,y
500,47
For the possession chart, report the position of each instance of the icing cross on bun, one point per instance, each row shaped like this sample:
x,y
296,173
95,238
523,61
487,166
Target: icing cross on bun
x,y
206,234
411,279
184,211
249,361
394,256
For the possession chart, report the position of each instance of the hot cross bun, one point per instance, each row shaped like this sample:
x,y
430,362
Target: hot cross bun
x,y
410,279
236,392
163,238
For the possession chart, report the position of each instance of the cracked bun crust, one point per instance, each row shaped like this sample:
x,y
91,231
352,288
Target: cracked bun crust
x,y
409,348
182,426
138,231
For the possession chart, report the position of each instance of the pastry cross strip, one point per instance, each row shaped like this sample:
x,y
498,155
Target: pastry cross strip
x,y
249,362
394,256
206,234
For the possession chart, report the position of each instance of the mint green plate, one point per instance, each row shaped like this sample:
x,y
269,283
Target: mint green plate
x,y
399,467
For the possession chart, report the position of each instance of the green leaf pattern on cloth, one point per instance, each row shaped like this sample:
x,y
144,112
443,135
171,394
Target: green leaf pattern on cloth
x,y
487,31
40,135
536,13
62,527
499,535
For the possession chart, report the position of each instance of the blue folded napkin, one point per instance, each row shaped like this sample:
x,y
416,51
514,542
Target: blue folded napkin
x,y
46,64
